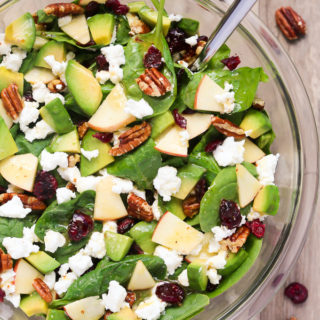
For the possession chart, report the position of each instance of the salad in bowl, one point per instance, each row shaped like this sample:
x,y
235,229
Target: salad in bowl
x,y
130,186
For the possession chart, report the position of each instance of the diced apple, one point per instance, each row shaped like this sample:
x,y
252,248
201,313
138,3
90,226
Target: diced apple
x,y
171,142
176,234
3,113
205,95
248,185
252,153
108,204
90,308
78,29
141,278
20,170
197,123
38,74
111,116
25,275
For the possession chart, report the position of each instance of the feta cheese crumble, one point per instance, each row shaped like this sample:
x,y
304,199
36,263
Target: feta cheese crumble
x,y
155,208
213,276
266,168
121,185
253,215
138,109
58,68
90,154
64,195
50,161
64,283
183,278
53,240
50,280
14,209
170,257
110,226
151,308
42,94
222,232
218,261
28,115
96,247
166,182
5,48
13,61
40,131
19,247
175,17
227,98
192,41
80,263
63,270
7,284
103,76
115,299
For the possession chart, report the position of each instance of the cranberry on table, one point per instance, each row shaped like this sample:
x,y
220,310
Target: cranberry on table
x,y
180,120
80,226
45,186
125,225
297,292
104,137
92,8
230,215
213,145
170,293
153,58
117,7
232,62
102,63
257,228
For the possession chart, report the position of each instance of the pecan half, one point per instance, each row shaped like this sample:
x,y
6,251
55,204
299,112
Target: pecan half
x,y
258,104
28,201
82,129
43,290
63,9
237,240
56,85
12,101
71,186
136,25
290,23
191,206
6,261
153,83
191,55
131,298
139,208
228,128
73,159
131,139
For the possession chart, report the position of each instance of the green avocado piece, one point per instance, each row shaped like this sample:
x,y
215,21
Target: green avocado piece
x,y
101,27
8,77
160,123
189,174
117,245
57,117
150,17
197,276
234,260
68,142
39,43
22,32
51,48
90,143
43,262
256,122
56,315
190,26
84,87
33,304
174,206
135,6
123,314
8,146
141,233
267,200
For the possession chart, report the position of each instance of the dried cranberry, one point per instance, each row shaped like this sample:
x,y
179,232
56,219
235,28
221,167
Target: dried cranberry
x,y
213,145
170,293
297,292
103,136
188,111
92,8
80,226
211,287
176,39
135,249
179,119
201,188
117,7
125,225
88,44
102,62
45,186
232,62
230,215
2,295
28,96
203,38
2,189
180,75
257,228
152,59
150,197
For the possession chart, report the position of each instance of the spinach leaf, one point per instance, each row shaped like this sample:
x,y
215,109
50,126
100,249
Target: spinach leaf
x,y
45,18
14,130
265,141
140,166
190,306
57,216
179,270
222,53
28,62
97,281
224,186
123,30
34,147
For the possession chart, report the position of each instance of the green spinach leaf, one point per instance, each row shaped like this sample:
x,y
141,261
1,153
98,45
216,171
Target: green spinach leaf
x,y
211,135
123,30
222,53
28,62
34,147
45,18
265,141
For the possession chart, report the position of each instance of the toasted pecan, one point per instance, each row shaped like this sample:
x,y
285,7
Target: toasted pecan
x,y
43,290
237,240
12,101
191,206
228,128
63,9
28,201
258,104
139,208
131,298
56,85
6,262
137,26
83,127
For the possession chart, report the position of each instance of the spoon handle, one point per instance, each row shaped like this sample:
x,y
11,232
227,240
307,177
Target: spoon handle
x,y
237,11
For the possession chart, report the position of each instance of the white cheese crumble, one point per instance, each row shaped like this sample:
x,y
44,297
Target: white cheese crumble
x,y
116,74
110,226
64,283
151,308
28,115
58,68
227,98
170,257
266,168
166,182
50,280
64,21
103,76
222,232
64,195
243,220
184,137
139,193
214,245
29,235
13,61
53,240
121,185
42,94
213,276
19,247
90,154
14,209
183,278
155,208
63,270
218,261
253,215
138,109
7,284
50,161
40,131
175,17
115,299
230,152
5,48
192,41
96,246
80,263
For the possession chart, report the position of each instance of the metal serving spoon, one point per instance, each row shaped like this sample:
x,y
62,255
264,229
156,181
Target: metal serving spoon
x,y
237,11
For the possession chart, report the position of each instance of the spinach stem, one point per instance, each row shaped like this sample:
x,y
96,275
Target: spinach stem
x,y
156,5
159,29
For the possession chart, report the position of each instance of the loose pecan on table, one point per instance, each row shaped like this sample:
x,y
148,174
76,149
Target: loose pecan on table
x,y
139,208
228,128
43,290
83,127
63,9
131,139
191,206
6,261
290,23
237,240
28,201
137,26
56,85
12,101
153,83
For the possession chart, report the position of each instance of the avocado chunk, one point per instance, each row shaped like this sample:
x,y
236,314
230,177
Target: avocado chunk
x,y
8,77
267,200
197,276
8,146
22,32
190,26
135,6
174,206
57,117
234,260
39,43
123,314
150,17
141,233
84,87
43,262
90,143
189,174
256,123
117,245
160,123
101,27
56,315
68,142
51,48
33,304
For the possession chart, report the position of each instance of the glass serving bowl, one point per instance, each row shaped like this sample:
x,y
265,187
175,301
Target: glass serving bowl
x,y
297,142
